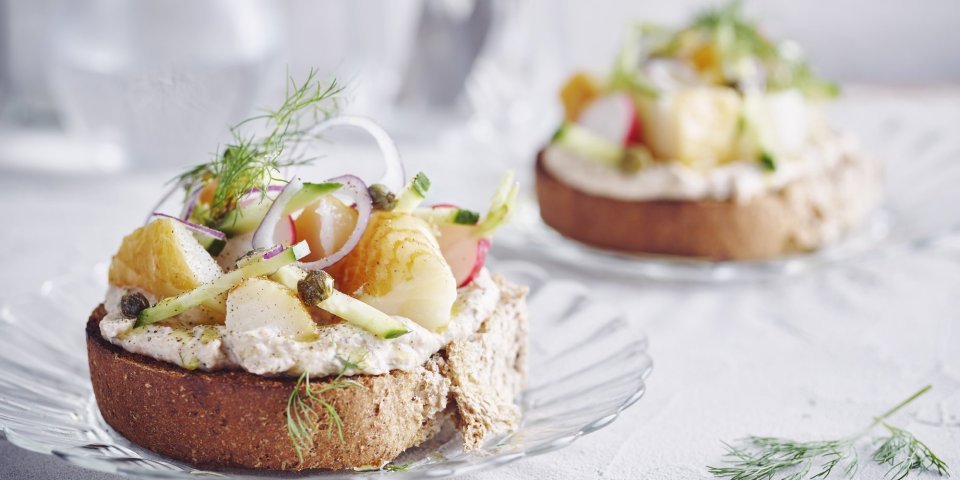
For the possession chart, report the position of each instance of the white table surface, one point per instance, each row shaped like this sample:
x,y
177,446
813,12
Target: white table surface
x,y
809,357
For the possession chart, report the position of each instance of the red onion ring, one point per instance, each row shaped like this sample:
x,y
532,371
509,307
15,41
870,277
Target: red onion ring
x,y
163,199
356,189
193,226
263,237
351,185
273,252
191,203
393,174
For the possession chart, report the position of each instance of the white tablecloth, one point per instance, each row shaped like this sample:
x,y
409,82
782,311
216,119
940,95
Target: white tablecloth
x,y
809,357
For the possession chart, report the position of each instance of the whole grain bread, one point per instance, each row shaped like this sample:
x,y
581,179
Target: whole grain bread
x,y
803,216
234,419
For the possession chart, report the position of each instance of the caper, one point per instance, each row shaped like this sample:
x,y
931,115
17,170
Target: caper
x,y
132,304
635,159
383,198
316,287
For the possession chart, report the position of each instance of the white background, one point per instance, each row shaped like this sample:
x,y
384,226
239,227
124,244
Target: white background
x,y
729,361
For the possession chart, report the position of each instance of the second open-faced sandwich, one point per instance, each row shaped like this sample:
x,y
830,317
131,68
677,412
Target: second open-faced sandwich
x,y
276,323
705,141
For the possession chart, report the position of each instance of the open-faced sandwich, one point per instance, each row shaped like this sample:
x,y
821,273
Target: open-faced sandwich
x,y
280,324
707,141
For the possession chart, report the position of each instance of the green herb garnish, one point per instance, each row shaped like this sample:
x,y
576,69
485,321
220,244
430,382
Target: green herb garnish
x,y
400,467
767,161
733,50
732,34
466,217
626,73
253,161
904,453
769,458
303,418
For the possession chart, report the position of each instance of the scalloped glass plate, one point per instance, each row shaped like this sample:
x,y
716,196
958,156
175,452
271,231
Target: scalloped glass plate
x,y
581,377
915,133
529,237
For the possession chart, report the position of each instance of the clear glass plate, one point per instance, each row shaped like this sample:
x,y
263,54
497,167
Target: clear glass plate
x,y
587,364
528,237
914,132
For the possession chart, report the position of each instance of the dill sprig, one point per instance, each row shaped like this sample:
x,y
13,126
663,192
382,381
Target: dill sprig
x,y
303,416
769,458
399,467
903,452
728,37
733,33
252,161
764,457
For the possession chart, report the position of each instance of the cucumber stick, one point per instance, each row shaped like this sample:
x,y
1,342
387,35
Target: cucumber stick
x,y
363,315
346,307
413,193
502,205
309,194
241,220
586,143
172,306
455,215
245,219
213,246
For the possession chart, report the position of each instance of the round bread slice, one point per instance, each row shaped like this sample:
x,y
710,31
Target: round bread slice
x,y
801,217
237,419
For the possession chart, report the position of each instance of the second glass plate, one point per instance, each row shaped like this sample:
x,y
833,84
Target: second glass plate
x,y
914,132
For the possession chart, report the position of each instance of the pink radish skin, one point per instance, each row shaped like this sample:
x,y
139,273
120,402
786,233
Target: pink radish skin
x,y
238,246
613,117
465,252
286,233
483,246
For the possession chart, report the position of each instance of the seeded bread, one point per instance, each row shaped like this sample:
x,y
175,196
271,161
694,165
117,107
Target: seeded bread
x,y
234,419
803,216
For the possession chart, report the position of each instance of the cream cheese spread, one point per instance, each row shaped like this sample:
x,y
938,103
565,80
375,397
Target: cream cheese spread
x,y
670,180
264,351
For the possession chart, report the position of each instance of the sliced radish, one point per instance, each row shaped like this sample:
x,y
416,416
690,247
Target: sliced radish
x,y
286,232
614,118
465,247
483,246
238,246
464,251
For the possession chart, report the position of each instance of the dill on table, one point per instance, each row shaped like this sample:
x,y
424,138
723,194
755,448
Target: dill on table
x,y
251,162
303,416
400,467
770,458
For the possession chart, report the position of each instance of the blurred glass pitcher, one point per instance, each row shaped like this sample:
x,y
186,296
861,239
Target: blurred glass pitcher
x,y
161,80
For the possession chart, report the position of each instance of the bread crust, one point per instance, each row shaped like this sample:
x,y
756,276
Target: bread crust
x,y
764,227
488,371
235,419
